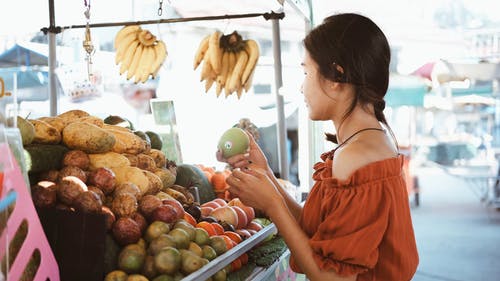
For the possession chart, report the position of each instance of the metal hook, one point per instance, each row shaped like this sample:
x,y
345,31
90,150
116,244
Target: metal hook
x,y
226,26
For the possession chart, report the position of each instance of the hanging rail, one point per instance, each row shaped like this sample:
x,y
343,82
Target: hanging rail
x,y
267,16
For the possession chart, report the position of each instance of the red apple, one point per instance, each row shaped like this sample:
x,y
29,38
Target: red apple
x,y
226,214
242,217
176,205
249,211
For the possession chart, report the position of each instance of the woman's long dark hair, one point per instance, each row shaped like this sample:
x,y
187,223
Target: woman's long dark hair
x,y
351,48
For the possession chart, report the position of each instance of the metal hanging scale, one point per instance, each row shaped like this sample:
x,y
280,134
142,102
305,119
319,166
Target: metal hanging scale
x,y
87,42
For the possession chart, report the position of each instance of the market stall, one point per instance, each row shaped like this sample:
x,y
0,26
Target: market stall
x,y
83,229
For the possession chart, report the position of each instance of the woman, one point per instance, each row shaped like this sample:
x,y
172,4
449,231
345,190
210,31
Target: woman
x,y
356,223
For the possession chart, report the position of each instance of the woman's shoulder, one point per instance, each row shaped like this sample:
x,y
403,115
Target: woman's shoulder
x,y
358,154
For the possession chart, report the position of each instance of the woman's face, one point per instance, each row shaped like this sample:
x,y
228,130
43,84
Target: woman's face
x,y
319,103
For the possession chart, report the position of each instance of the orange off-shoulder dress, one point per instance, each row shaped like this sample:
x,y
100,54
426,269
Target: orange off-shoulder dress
x,y
363,224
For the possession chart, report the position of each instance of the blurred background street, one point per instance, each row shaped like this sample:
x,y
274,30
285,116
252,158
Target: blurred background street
x,y
458,236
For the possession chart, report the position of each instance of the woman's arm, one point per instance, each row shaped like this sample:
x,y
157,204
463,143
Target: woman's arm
x,y
293,206
256,189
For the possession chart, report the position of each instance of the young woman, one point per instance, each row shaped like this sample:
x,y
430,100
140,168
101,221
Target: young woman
x,y
356,222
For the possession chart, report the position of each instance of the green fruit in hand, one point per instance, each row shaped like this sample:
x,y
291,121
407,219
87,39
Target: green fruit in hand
x,y
234,141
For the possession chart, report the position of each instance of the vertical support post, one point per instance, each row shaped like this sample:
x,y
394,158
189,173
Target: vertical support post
x,y
281,122
52,60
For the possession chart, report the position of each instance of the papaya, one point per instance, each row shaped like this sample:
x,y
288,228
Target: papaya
x,y
189,175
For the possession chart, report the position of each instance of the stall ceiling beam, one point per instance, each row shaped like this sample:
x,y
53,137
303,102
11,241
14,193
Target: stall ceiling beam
x,y
267,16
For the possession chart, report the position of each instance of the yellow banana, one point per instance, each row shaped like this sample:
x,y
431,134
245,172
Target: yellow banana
x,y
215,51
231,63
147,58
124,32
248,84
239,89
252,48
128,56
241,61
200,52
123,46
206,69
221,78
208,83
146,37
160,54
218,89
135,62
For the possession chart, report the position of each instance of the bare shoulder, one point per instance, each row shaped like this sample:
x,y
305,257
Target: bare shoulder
x,y
360,153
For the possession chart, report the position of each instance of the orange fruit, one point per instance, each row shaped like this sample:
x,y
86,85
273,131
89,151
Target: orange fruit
x,y
209,228
189,218
218,228
235,265
234,236
229,242
243,258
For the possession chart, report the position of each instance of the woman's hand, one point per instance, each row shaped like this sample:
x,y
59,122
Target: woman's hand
x,y
254,188
254,156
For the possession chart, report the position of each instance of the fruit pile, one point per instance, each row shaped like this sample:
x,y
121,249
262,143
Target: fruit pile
x,y
81,163
139,53
228,61
179,248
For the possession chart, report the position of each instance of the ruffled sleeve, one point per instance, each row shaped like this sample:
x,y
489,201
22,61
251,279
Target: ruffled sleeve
x,y
347,220
348,238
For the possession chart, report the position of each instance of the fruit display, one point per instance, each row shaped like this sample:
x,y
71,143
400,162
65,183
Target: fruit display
x,y
139,53
163,219
228,62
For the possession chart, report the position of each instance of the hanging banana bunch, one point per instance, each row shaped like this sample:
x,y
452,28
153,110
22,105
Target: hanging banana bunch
x,y
228,62
139,53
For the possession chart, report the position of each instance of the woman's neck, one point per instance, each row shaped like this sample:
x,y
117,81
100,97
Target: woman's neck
x,y
357,120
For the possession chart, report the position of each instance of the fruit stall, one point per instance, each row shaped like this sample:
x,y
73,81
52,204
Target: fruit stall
x,y
108,202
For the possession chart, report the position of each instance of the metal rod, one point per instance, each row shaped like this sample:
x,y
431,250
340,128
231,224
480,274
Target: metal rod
x,y
267,16
281,123
52,60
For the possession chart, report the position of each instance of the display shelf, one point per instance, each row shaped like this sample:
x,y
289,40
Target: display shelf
x,y
223,260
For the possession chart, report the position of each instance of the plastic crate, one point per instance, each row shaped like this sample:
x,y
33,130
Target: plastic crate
x,y
23,211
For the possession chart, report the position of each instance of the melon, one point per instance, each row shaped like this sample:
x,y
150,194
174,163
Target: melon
x,y
189,175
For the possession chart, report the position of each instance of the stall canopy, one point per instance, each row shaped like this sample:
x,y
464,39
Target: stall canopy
x,y
26,54
406,90
24,67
